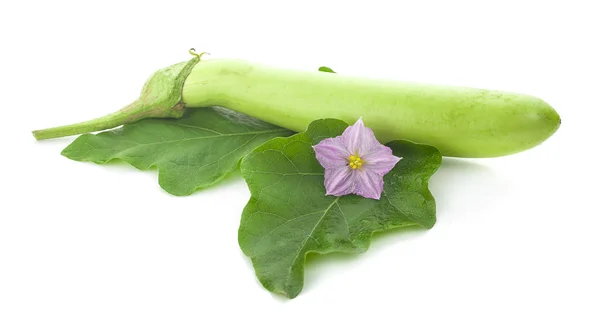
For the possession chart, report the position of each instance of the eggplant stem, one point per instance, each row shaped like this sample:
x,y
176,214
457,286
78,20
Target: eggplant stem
x,y
160,98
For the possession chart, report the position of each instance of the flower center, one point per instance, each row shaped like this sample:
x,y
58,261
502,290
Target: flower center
x,y
355,162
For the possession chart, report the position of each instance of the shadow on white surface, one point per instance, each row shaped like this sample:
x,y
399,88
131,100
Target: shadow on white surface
x,y
456,177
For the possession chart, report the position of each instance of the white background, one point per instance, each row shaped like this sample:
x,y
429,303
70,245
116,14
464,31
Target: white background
x,y
87,248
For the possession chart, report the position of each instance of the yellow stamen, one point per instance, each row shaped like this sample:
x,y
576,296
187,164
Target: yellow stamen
x,y
355,162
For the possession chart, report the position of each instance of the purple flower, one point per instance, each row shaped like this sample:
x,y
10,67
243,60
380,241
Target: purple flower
x,y
355,162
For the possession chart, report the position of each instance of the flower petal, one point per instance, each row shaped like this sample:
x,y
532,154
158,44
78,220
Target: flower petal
x,y
380,160
331,153
359,139
368,184
339,181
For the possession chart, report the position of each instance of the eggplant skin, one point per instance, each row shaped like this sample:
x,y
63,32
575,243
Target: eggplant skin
x,y
459,121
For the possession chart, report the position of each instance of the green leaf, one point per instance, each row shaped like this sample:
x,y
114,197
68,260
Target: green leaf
x,y
289,214
326,69
192,152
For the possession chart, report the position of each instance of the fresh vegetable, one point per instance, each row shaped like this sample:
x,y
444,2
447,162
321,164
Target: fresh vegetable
x,y
193,152
462,122
324,190
459,121
289,215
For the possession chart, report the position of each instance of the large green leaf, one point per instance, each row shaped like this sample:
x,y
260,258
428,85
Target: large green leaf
x,y
192,152
289,214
